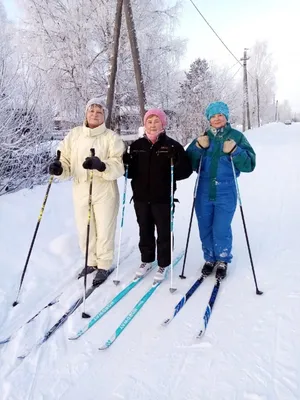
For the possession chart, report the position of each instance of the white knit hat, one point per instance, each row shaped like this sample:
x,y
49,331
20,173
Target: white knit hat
x,y
98,101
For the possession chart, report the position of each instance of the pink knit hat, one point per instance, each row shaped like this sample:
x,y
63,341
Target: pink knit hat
x,y
159,114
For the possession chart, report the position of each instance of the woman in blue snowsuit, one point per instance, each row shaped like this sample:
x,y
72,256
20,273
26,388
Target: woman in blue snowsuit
x,y
216,196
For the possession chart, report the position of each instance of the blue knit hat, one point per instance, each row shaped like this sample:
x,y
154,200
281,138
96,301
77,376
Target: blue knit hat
x,y
217,107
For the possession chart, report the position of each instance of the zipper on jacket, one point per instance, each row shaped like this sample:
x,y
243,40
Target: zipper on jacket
x,y
149,174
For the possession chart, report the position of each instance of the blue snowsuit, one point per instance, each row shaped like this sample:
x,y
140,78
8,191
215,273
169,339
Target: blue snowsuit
x,y
216,196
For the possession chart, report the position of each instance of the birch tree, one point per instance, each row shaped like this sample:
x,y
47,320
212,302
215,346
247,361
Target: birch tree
x,y
262,72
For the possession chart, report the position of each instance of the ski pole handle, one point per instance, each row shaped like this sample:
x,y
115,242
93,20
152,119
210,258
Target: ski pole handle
x,y
58,154
92,152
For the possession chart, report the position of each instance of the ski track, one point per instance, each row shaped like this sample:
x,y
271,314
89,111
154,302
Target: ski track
x,y
251,347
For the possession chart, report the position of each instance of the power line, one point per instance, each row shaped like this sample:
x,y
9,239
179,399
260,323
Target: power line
x,y
227,48
216,33
232,66
236,72
222,41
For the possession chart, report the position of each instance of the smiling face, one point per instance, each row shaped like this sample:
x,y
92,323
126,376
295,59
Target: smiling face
x,y
153,125
95,116
218,121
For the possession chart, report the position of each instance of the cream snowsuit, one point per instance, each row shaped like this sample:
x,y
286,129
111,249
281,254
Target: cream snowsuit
x,y
109,147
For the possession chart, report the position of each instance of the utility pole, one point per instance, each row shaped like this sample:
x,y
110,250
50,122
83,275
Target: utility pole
x,y
258,105
246,94
276,112
135,57
114,62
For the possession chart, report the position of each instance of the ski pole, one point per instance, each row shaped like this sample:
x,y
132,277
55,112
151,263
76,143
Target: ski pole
x,y
244,224
172,289
116,280
84,314
35,232
182,276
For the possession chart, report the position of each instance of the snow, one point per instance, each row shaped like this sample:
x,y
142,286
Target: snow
x,y
251,348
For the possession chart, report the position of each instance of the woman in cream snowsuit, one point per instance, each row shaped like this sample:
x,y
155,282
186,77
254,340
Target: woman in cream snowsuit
x,y
76,161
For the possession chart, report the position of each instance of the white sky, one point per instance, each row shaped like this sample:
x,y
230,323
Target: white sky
x,y
240,23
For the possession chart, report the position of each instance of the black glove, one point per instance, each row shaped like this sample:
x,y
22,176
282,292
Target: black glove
x,y
94,163
55,168
127,157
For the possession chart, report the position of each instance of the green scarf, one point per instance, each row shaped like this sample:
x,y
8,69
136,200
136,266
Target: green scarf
x,y
218,137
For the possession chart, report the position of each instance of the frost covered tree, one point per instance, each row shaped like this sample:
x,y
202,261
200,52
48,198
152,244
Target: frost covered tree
x,y
59,59
284,111
160,50
196,91
261,68
68,43
203,83
22,120
226,84
160,53
71,41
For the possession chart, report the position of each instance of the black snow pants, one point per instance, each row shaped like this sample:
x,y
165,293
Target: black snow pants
x,y
151,216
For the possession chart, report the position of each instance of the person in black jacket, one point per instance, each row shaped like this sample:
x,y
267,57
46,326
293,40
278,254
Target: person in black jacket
x,y
149,167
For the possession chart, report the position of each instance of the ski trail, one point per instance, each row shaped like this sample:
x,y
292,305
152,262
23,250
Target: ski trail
x,y
36,361
20,318
285,368
251,349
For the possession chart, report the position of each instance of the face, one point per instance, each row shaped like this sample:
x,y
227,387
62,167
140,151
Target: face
x,y
218,121
95,116
153,125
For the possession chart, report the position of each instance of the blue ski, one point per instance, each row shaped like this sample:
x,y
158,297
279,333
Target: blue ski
x,y
111,304
209,308
136,309
184,299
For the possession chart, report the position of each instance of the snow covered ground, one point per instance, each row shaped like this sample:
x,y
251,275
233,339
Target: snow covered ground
x,y
251,350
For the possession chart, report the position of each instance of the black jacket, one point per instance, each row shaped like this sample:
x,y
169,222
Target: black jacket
x,y
150,168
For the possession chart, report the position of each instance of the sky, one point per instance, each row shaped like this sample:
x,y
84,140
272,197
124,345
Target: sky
x,y
240,23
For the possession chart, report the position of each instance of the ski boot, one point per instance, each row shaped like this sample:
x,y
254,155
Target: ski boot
x,y
221,271
208,268
89,271
160,274
101,276
143,269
